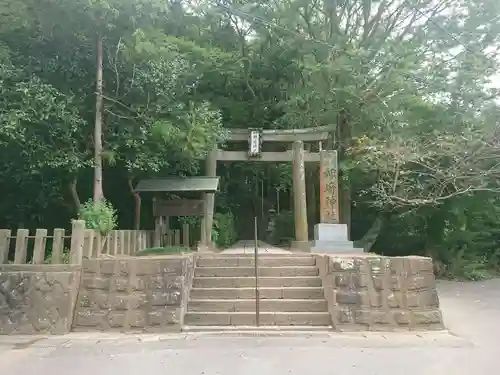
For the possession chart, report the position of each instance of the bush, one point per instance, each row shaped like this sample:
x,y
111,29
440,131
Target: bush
x,y
99,215
224,230
284,226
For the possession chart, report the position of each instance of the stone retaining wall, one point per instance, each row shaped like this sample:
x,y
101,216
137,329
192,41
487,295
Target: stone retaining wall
x,y
380,293
146,293
37,298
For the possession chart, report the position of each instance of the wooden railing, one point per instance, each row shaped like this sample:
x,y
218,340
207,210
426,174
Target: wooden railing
x,y
60,247
116,242
40,247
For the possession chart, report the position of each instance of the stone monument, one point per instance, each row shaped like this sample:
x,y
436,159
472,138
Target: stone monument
x,y
329,235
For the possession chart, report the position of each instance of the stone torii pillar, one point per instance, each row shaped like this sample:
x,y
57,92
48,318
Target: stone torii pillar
x,y
209,200
299,197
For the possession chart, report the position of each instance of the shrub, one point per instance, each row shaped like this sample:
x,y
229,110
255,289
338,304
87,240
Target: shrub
x,y
99,215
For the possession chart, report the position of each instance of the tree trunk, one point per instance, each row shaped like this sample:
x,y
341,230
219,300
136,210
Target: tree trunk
x,y
74,193
371,235
343,140
98,190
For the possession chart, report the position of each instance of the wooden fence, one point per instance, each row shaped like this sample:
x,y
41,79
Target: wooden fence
x,y
61,247
165,237
117,242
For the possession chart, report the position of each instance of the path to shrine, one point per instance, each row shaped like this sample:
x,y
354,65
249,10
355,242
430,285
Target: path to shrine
x,y
471,312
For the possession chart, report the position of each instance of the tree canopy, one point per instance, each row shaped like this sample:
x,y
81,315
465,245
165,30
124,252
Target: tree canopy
x,y
406,87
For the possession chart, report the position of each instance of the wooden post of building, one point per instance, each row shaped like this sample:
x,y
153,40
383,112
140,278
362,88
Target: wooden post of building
x,y
299,194
208,217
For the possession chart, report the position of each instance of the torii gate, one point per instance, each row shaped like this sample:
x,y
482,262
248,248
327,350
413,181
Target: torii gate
x,y
328,230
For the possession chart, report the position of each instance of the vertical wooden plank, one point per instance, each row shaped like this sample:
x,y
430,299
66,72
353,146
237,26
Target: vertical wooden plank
x,y
133,241
150,239
4,245
125,243
105,243
21,246
39,247
177,237
113,242
145,235
185,235
77,236
57,246
97,244
88,243
121,237
158,231
169,238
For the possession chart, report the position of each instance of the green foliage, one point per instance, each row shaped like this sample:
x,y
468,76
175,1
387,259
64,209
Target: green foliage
x,y
284,228
161,251
224,230
411,111
98,215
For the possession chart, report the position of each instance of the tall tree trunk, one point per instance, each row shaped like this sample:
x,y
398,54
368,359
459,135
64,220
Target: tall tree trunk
x,y
98,190
343,140
72,186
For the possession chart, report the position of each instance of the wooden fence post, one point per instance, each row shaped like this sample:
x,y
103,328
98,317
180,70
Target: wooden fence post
x,y
185,235
21,246
39,247
113,242
177,237
4,245
57,246
77,235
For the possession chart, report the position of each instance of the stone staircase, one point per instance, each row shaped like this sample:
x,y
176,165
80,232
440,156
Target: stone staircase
x,y
223,292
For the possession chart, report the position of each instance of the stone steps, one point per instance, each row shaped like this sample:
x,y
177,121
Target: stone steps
x,y
265,318
263,261
223,271
290,290
264,293
264,282
266,305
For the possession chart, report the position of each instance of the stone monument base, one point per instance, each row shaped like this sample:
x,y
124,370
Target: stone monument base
x,y
332,238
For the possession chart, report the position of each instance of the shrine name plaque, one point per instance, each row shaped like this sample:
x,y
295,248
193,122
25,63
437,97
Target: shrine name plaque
x,y
180,207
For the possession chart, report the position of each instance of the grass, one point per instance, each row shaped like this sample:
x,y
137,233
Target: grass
x,y
162,251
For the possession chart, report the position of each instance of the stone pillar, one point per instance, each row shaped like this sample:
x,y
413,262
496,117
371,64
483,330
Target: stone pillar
x,y
329,187
329,235
299,197
208,217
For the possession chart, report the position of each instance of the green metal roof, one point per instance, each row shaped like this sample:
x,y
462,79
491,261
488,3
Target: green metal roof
x,y
176,184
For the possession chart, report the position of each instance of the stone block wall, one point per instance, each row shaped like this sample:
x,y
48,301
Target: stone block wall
x,y
380,293
37,298
128,294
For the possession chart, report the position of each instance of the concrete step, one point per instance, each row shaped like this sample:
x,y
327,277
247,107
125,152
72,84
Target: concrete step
x,y
265,305
262,331
250,271
204,318
223,261
249,282
264,293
